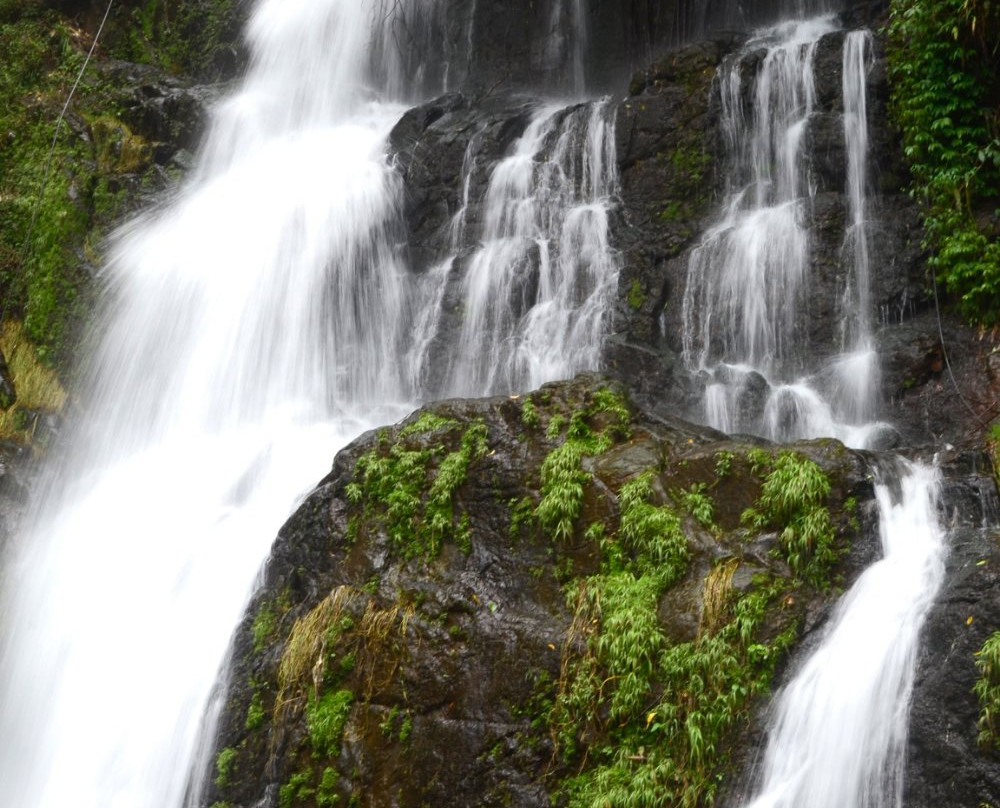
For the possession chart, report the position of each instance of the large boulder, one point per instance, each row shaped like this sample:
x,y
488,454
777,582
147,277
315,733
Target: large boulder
x,y
433,617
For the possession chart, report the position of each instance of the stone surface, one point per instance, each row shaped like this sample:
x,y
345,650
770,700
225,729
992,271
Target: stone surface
x,y
470,639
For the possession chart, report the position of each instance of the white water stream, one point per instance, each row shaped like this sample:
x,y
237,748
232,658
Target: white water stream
x,y
838,734
750,277
257,323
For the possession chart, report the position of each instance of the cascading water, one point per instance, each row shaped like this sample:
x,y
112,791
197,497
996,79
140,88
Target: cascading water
x,y
536,293
839,730
838,733
259,322
743,305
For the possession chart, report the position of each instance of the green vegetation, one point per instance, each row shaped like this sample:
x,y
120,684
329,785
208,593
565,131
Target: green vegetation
x,y
190,36
264,624
529,414
224,766
591,430
987,688
326,716
45,182
793,501
636,295
401,491
255,713
648,715
299,788
946,82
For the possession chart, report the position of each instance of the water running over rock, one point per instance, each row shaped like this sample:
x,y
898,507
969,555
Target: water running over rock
x,y
748,280
258,322
839,729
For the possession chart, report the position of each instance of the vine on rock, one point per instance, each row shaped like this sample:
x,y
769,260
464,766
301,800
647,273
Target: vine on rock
x,y
944,64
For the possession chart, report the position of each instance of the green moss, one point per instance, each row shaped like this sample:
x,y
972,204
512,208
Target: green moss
x,y
224,763
636,295
326,717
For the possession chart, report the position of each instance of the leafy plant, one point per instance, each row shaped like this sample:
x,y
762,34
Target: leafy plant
x,y
793,501
943,62
987,688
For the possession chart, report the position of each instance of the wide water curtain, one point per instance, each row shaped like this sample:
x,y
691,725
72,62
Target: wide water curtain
x,y
256,327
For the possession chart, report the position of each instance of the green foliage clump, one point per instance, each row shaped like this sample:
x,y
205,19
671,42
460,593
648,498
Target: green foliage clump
x,y
326,793
987,688
563,479
255,713
326,716
191,36
45,181
299,788
224,763
263,626
654,714
529,414
651,537
793,501
946,79
636,295
699,504
591,430
399,488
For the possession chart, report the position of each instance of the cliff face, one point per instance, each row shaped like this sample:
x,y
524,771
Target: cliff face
x,y
439,621
506,601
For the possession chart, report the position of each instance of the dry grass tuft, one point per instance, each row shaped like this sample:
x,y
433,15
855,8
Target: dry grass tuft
x,y
38,387
718,587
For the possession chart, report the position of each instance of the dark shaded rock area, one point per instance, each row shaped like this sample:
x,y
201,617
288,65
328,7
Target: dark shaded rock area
x,y
17,475
453,656
946,767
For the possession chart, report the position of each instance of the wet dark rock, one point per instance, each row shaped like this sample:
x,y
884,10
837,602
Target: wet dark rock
x,y
947,767
17,475
472,641
8,395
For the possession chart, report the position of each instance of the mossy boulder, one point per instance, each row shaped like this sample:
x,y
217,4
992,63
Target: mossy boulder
x,y
449,617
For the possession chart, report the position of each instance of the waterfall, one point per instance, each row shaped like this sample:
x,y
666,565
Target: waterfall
x,y
748,279
839,729
537,291
256,323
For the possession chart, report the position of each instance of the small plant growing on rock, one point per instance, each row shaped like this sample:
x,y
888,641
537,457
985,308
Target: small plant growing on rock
x,y
987,688
793,501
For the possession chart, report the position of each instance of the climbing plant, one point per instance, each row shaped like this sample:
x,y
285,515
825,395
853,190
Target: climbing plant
x,y
944,69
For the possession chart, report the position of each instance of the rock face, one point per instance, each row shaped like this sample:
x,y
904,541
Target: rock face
x,y
385,662
947,766
410,648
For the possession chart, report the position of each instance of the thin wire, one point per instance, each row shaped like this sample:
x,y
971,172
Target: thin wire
x,y
46,172
947,363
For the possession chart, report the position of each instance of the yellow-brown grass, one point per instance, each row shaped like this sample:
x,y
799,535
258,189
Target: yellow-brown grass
x,y
37,386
